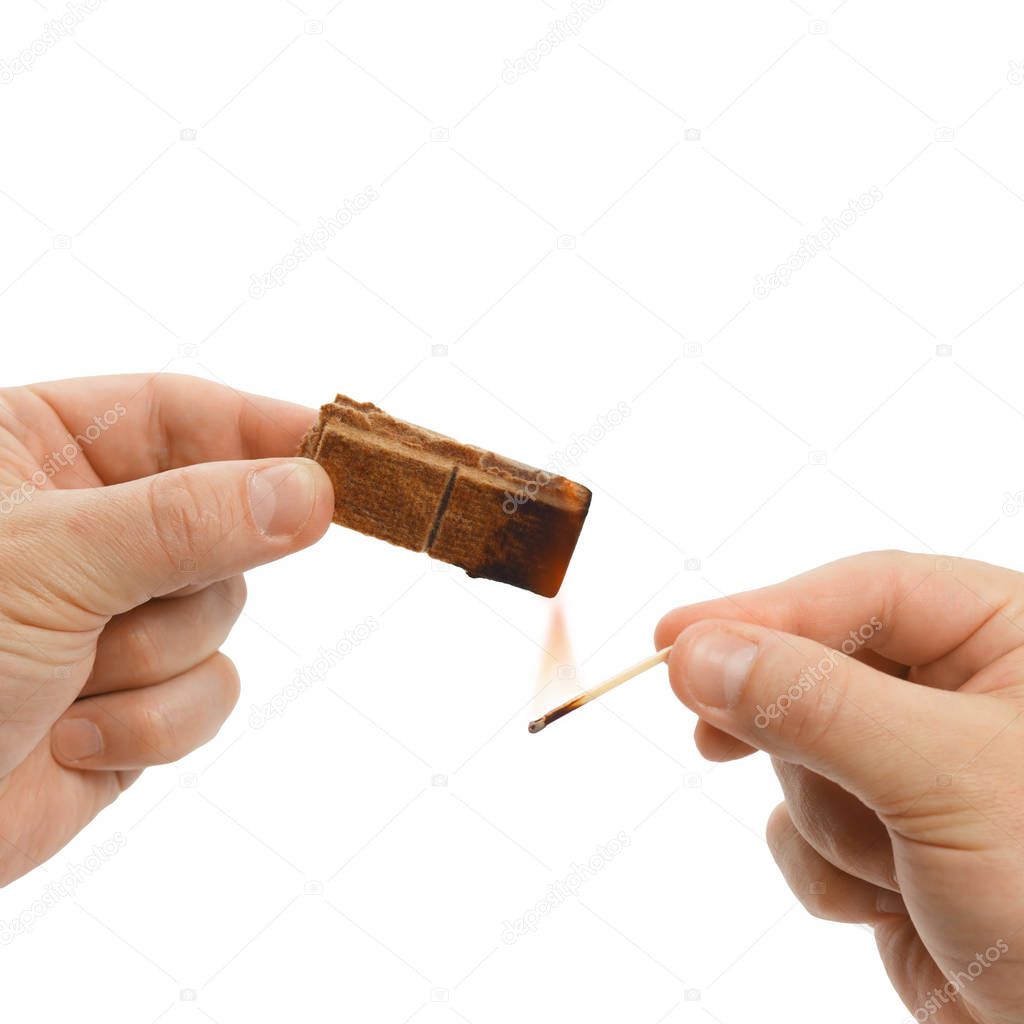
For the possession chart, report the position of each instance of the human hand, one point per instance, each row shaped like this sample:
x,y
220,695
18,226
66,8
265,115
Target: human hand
x,y
902,764
125,525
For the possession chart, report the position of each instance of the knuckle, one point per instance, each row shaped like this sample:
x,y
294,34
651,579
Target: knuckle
x,y
166,736
820,708
223,689
882,560
810,880
886,555
126,778
229,596
212,610
779,830
821,901
228,682
142,647
238,591
185,513
158,735
10,863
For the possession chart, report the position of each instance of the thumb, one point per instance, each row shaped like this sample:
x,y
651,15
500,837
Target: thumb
x,y
110,549
884,739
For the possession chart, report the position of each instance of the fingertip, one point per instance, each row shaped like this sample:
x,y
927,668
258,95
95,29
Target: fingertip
x,y
291,501
779,828
677,666
678,620
74,741
710,663
231,682
323,502
715,745
668,628
678,660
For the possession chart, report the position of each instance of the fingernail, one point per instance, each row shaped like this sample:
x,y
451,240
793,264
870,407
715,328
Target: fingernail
x,y
890,903
281,498
75,739
717,667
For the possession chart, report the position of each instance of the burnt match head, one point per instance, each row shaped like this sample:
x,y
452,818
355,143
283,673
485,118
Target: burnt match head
x,y
563,709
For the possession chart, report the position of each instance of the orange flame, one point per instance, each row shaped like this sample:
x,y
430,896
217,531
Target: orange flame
x,y
557,676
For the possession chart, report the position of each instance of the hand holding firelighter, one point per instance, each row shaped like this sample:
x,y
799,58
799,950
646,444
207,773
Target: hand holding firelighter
x,y
129,508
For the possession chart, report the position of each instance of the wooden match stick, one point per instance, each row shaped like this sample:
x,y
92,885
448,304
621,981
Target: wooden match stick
x,y
600,690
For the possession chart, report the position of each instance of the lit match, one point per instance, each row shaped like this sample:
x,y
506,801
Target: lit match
x,y
599,691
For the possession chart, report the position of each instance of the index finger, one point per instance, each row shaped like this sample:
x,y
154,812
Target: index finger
x,y
946,616
155,422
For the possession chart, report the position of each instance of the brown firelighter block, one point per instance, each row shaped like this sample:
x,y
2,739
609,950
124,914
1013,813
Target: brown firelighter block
x,y
493,517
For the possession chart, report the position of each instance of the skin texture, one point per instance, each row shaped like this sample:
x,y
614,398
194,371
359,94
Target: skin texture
x,y
901,759
129,508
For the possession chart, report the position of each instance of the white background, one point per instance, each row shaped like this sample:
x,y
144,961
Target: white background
x,y
764,436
